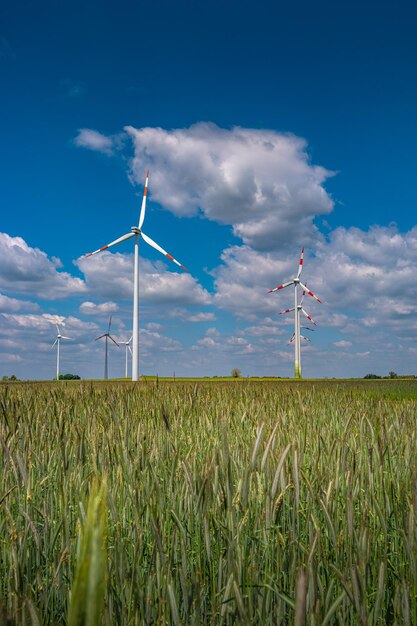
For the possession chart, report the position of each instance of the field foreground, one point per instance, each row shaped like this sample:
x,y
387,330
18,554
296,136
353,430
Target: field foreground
x,y
210,503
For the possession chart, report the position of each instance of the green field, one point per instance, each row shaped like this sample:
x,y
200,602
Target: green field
x,y
242,502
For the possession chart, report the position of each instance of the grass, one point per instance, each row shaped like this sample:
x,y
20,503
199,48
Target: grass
x,y
208,503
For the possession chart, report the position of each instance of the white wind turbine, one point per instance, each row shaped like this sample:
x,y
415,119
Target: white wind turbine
x,y
126,344
57,343
297,308
136,232
106,349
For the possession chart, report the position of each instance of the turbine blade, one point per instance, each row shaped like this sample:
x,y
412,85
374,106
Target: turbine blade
x,y
302,296
306,338
62,337
110,337
310,293
286,311
143,207
101,337
55,342
308,317
57,329
108,330
157,247
112,243
290,282
300,267
128,347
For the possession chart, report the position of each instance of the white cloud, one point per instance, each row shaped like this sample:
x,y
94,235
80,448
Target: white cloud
x,y
153,326
28,270
93,140
201,317
184,315
342,344
110,275
261,182
9,305
105,308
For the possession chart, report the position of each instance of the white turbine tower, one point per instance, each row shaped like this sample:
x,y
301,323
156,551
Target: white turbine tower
x,y
126,344
106,350
136,232
297,308
57,343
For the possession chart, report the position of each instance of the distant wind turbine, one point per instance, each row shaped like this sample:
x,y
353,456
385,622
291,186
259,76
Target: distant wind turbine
x,y
297,308
106,356
57,343
127,348
136,232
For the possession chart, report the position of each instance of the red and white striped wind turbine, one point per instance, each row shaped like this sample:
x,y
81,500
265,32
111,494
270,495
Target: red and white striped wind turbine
x,y
300,310
297,308
136,232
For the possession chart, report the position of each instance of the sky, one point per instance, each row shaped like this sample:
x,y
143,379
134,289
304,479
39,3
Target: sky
x,y
265,127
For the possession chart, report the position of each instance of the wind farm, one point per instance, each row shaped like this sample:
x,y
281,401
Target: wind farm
x,y
208,314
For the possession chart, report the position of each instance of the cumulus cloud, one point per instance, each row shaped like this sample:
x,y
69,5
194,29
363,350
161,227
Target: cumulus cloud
x,y
364,277
342,344
105,308
369,268
110,275
184,315
42,322
8,305
29,270
93,140
260,182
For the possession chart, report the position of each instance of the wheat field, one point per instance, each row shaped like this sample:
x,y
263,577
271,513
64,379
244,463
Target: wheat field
x,y
208,503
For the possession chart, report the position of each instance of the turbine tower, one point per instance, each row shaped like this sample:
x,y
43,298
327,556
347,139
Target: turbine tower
x,y
106,350
297,308
300,310
127,348
57,342
136,232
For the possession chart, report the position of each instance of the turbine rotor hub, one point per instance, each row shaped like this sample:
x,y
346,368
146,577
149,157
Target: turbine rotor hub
x,y
296,281
135,230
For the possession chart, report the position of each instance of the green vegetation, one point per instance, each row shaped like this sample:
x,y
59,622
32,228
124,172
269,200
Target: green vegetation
x,y
69,377
208,503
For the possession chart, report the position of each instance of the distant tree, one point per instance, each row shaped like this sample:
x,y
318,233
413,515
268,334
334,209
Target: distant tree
x,y
372,376
69,377
12,377
4,378
236,373
392,375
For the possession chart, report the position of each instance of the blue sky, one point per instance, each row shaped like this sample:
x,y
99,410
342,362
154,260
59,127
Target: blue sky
x,y
266,127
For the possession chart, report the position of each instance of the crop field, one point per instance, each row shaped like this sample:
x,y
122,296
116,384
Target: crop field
x,y
208,503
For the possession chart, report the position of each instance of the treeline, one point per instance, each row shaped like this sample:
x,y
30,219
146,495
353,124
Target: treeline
x,y
390,375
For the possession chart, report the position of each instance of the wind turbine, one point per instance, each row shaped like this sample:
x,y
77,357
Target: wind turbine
x,y
136,232
57,342
127,347
106,356
297,308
